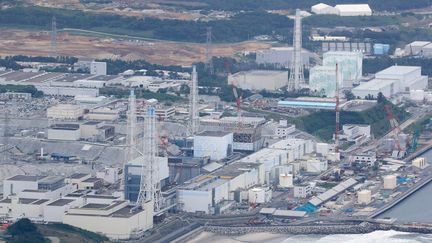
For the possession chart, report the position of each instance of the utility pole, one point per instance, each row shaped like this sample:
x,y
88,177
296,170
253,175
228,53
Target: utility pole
x,y
296,78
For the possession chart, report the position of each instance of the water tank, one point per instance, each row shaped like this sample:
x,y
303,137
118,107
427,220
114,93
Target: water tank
x,y
285,180
364,197
390,182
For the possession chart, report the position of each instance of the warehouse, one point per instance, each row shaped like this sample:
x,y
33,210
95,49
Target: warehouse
x,y
322,8
65,112
353,9
392,81
71,132
350,64
259,80
216,145
322,80
280,57
103,114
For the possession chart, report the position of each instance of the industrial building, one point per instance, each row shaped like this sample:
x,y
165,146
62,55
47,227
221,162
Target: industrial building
x,y
281,57
392,81
322,80
350,64
419,48
322,8
132,173
259,80
328,195
247,132
284,129
98,68
118,220
65,112
321,105
353,9
103,114
356,133
96,131
63,131
342,9
329,44
215,192
216,145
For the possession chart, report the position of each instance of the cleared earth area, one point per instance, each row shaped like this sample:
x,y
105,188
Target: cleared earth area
x,y
93,45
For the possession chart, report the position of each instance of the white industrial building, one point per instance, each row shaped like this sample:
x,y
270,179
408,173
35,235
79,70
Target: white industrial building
x,y
71,132
364,197
353,9
103,114
65,112
98,68
322,8
107,218
280,57
258,195
259,80
342,9
389,182
302,191
216,145
350,64
392,81
357,133
215,192
322,80
418,48
96,131
315,166
284,129
164,112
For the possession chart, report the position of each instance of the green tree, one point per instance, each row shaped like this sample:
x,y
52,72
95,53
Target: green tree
x,y
24,231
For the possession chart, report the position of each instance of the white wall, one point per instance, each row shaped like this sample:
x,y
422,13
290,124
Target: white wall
x,y
195,201
57,134
215,147
15,187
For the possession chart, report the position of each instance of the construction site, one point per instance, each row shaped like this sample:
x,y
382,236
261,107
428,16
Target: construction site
x,y
149,170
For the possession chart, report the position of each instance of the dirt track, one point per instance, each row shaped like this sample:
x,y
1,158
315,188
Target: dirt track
x,y
14,42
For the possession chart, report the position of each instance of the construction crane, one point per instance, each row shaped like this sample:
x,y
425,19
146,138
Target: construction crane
x,y
337,109
395,128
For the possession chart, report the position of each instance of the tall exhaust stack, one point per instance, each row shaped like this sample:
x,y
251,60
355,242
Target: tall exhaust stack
x,y
296,78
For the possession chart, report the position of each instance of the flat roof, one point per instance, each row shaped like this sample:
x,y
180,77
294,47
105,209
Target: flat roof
x,y
91,123
95,206
307,104
25,178
70,127
40,201
61,202
103,78
92,179
51,179
259,73
398,70
78,175
353,7
235,169
213,133
289,213
267,210
72,77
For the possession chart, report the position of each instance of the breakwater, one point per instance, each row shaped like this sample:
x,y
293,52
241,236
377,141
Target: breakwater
x,y
362,228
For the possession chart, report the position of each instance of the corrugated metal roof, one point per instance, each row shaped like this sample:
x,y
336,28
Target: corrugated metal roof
x,y
289,213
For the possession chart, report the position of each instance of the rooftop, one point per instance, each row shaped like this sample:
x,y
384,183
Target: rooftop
x,y
78,175
353,7
70,127
213,134
398,70
51,179
91,123
374,84
61,202
259,73
92,179
25,178
235,169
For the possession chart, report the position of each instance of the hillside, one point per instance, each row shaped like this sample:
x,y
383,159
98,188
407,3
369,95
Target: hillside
x,y
322,123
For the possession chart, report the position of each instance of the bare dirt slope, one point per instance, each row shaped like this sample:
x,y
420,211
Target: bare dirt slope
x,y
20,42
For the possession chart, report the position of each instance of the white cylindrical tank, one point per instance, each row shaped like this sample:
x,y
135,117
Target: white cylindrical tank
x,y
364,197
390,182
285,180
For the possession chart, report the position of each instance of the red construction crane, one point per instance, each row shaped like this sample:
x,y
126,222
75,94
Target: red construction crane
x,y
395,128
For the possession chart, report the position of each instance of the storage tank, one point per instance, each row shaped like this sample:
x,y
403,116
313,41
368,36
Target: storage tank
x,y
364,197
285,180
259,195
390,182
